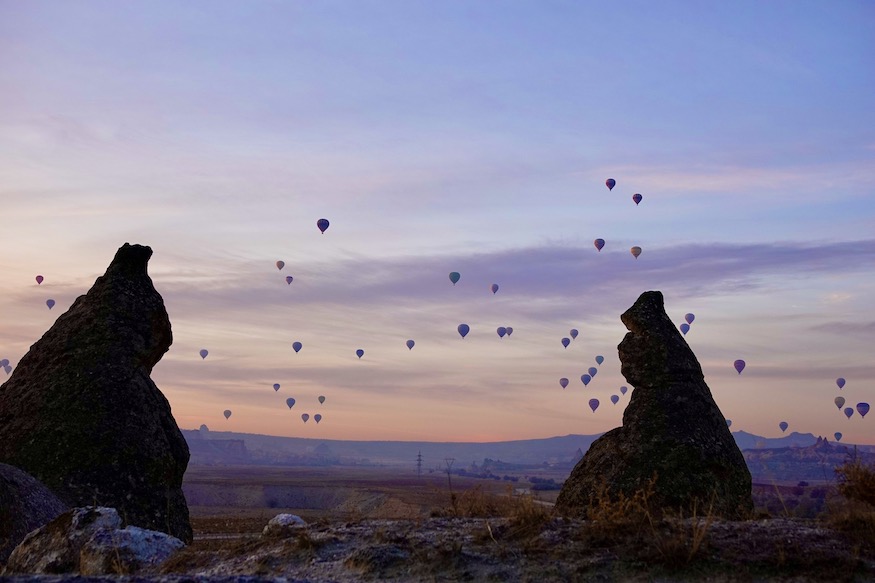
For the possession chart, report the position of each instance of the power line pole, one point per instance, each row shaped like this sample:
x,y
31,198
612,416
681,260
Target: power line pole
x,y
419,464
449,461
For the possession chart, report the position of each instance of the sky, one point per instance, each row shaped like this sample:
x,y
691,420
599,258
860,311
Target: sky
x,y
451,136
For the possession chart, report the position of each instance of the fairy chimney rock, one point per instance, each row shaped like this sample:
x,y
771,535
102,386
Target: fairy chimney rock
x,y
672,429
81,413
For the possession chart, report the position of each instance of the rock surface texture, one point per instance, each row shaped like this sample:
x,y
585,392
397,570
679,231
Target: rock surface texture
x,y
672,428
90,541
81,413
284,525
25,505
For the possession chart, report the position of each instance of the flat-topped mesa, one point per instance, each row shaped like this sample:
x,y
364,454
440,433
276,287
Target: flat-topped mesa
x,y
672,429
81,414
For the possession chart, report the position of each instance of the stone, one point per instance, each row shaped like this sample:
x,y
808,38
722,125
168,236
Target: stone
x,y
54,548
81,413
25,505
126,551
284,525
90,541
672,429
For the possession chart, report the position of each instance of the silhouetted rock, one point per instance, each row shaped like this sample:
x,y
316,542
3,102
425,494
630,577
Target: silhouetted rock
x,y
81,414
90,541
25,505
672,428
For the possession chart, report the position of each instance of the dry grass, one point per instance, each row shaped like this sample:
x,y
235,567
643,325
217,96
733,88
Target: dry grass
x,y
857,482
634,525
854,515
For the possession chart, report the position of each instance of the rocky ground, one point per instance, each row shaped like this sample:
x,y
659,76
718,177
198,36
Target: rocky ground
x,y
526,549
531,546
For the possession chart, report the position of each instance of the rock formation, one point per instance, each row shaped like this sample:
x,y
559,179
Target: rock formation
x,y
91,541
25,505
81,414
672,428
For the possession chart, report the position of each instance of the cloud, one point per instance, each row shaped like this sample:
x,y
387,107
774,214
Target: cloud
x,y
543,282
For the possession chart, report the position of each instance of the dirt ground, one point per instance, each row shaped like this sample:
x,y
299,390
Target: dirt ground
x,y
390,525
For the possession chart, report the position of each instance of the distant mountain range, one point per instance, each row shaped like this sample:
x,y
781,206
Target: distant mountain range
x,y
226,448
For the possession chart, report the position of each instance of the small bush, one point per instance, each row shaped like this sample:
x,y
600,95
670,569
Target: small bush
x,y
857,482
855,514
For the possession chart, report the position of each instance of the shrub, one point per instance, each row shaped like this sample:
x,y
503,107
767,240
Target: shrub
x,y
857,482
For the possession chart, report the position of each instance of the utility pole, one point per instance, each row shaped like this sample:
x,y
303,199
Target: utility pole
x,y
449,461
419,464
453,502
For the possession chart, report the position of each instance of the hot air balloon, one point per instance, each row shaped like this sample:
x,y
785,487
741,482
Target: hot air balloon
x,y
838,436
593,404
862,409
610,183
566,342
464,329
685,328
305,417
501,330
573,333
739,365
290,402
50,303
689,318
783,425
585,378
636,251
39,279
322,224
729,423
280,265
592,371
317,418
840,382
297,346
637,198
204,352
623,389
7,368
227,413
563,382
494,287
4,362
276,386
840,402
455,276
289,279
615,399
599,359
410,344
321,399
848,412
509,330
360,353
599,243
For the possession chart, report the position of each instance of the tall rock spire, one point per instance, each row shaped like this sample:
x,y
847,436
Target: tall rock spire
x,y
81,413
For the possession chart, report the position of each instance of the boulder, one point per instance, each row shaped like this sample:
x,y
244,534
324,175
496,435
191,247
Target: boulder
x,y
55,547
25,505
672,429
81,413
90,541
126,551
284,525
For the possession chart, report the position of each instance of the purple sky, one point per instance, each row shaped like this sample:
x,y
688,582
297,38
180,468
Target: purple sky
x,y
451,136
